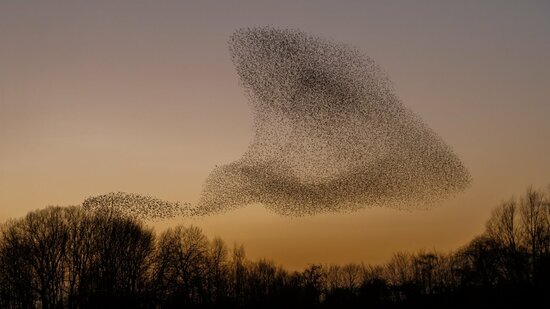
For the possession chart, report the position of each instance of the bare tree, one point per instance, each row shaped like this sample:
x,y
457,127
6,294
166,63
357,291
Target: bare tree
x,y
313,282
534,217
351,277
503,226
238,273
428,271
399,269
181,263
44,239
265,283
218,270
16,281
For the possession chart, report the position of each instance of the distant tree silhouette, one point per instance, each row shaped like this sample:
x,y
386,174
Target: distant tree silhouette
x,y
313,283
504,230
535,216
38,245
70,257
17,286
181,265
121,251
238,274
218,272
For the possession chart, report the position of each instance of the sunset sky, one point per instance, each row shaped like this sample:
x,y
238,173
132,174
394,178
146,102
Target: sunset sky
x,y
142,97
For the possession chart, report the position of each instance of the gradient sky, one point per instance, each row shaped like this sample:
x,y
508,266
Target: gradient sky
x,y
141,96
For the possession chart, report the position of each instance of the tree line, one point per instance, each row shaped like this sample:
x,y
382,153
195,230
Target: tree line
x,y
67,257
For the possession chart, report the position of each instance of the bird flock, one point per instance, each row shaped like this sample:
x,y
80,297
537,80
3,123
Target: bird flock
x,y
330,135
137,206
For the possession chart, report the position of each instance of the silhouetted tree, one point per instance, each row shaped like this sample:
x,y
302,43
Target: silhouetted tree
x,y
181,264
504,229
38,244
535,219
16,281
68,257
218,272
238,274
122,249
313,283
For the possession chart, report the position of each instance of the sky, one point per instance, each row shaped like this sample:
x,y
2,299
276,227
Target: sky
x,y
142,97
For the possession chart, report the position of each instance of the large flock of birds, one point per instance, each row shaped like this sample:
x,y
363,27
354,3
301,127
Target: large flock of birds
x,y
331,135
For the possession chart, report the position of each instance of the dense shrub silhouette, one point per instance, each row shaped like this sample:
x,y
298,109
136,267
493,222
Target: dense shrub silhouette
x,y
68,257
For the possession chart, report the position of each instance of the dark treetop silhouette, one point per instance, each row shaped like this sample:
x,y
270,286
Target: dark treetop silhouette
x,y
68,257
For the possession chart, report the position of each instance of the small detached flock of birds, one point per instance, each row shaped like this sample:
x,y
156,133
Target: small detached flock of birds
x,y
137,206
